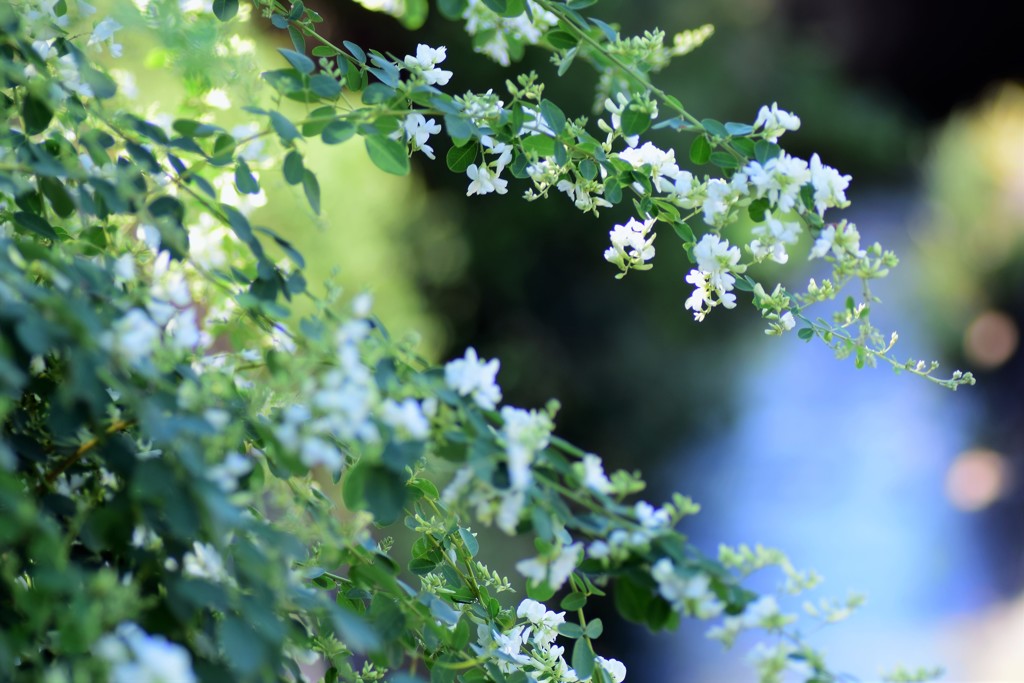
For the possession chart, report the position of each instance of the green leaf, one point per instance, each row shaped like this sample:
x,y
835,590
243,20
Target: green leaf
x,y
36,114
570,630
415,14
355,631
744,283
588,169
595,627
325,86
715,128
60,200
311,186
389,155
337,132
225,9
583,659
353,484
459,158
377,93
634,121
355,51
562,40
459,129
293,169
451,9
245,181
299,61
553,116
540,145
700,150
739,129
573,602
758,208
384,492
244,650
806,333
472,545
541,592
283,127
724,160
684,232
632,599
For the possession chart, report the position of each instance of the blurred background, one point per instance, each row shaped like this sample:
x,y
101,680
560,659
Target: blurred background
x,y
885,484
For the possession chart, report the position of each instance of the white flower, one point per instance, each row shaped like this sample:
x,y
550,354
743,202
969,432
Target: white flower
x,y
662,163
719,196
184,332
614,668
218,99
104,33
418,130
204,562
776,121
472,376
133,337
405,417
631,247
425,62
716,259
484,181
510,509
788,321
511,644
829,186
843,240
651,517
773,237
760,613
688,595
525,433
124,268
555,572
545,621
137,657
315,451
593,474
227,474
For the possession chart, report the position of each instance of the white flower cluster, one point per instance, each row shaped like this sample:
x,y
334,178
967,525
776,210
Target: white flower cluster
x,y
424,64
474,377
773,122
526,29
553,568
713,277
170,318
204,562
631,247
621,543
344,400
417,130
530,646
135,656
486,177
690,595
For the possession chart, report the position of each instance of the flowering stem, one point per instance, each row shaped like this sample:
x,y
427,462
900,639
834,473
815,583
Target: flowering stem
x,y
84,448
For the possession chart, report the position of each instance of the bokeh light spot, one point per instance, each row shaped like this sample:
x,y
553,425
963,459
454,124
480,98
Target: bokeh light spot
x,y
976,479
991,339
